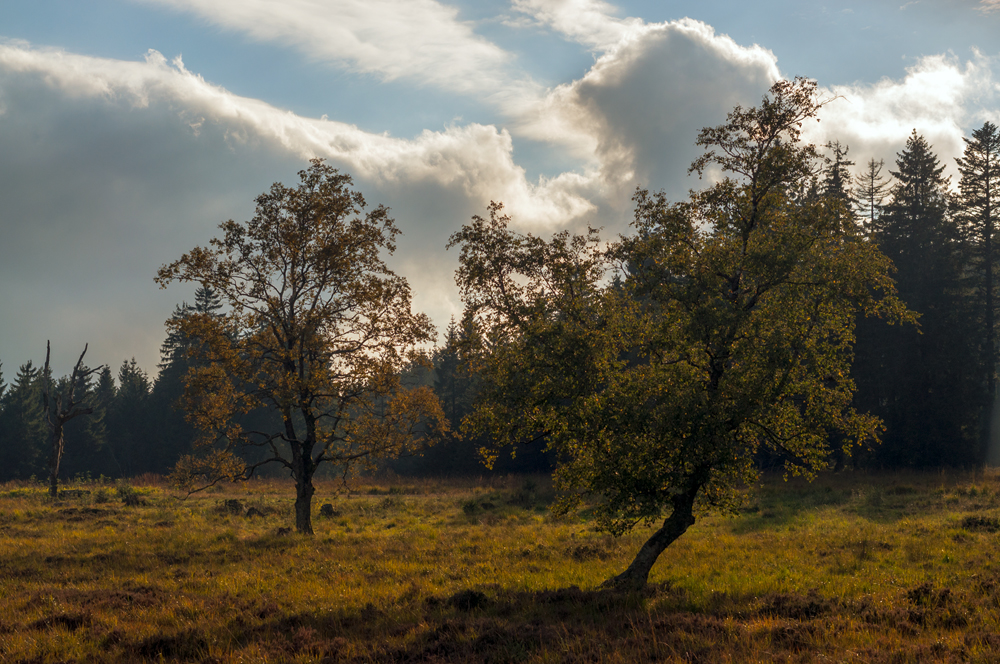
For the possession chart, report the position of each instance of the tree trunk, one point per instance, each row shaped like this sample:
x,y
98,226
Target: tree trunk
x,y
675,525
55,457
304,491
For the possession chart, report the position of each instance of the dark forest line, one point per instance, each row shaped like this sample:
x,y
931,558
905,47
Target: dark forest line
x,y
933,385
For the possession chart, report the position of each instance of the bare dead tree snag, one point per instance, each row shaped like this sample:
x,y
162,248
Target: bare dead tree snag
x,y
62,408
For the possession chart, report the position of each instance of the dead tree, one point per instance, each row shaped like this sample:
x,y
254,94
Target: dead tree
x,y
62,408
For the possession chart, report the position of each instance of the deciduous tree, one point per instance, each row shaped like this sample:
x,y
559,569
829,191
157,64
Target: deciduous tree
x,y
729,329
316,327
61,406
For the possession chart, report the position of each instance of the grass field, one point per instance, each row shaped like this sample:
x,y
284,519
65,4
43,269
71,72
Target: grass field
x,y
850,568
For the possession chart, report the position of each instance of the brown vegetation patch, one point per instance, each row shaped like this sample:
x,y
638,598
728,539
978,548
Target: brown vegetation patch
x,y
101,599
983,524
77,514
796,607
186,645
467,600
71,621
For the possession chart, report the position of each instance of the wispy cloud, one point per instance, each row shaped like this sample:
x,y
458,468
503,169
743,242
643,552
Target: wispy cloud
x,y
421,40
588,22
989,6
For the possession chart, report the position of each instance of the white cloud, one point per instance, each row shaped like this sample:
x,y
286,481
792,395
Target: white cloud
x,y
139,160
112,168
989,6
418,39
476,159
588,22
940,97
635,114
644,99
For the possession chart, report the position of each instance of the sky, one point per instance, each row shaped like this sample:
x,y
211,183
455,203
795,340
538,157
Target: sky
x,y
130,129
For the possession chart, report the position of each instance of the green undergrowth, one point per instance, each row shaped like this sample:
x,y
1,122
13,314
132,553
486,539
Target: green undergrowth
x,y
853,567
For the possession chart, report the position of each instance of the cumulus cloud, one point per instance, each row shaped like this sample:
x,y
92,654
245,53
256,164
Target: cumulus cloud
x,y
630,116
116,167
139,160
119,166
475,158
940,96
419,39
637,111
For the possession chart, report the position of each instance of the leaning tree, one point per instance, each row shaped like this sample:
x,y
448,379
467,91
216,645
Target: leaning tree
x,y
659,368
316,331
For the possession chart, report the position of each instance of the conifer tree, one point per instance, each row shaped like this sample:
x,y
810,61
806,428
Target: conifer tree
x,y
978,206
870,191
87,454
22,427
837,175
173,434
128,421
920,380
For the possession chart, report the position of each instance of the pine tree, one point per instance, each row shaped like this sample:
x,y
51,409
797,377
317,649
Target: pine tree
x,y
870,191
978,206
449,378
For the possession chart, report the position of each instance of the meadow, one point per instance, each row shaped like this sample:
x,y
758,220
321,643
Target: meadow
x,y
850,568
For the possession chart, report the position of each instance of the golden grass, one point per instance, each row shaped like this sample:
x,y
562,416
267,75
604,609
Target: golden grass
x,y
892,568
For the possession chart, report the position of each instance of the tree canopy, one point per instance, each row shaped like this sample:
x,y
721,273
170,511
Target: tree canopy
x,y
315,327
659,368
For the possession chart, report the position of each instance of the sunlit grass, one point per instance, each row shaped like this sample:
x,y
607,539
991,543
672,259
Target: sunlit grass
x,y
876,568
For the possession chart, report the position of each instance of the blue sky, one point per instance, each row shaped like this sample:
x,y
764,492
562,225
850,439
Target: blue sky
x,y
130,128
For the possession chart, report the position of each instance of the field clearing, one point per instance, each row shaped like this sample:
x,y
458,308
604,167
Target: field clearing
x,y
853,567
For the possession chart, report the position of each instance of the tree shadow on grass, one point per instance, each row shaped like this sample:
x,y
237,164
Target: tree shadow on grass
x,y
496,625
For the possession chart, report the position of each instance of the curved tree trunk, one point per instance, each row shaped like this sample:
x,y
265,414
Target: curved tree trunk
x,y
675,525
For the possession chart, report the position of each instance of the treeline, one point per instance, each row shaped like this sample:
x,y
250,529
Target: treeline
x,y
933,384
139,426
136,426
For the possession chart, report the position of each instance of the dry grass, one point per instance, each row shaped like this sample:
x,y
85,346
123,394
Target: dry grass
x,y
896,568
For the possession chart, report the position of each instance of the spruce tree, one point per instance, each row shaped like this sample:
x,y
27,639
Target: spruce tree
x,y
919,380
978,206
129,422
172,434
22,427
870,191
837,175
